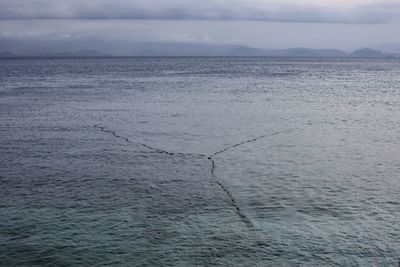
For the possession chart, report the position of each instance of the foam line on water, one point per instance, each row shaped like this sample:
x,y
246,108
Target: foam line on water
x,y
154,150
232,199
249,141
238,211
213,166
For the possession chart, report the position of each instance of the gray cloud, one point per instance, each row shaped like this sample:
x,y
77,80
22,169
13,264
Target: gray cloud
x,y
261,10
119,34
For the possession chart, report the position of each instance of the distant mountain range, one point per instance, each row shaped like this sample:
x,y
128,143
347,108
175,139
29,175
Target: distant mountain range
x,y
80,53
56,49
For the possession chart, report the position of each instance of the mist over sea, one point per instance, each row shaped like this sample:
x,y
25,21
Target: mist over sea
x,y
199,162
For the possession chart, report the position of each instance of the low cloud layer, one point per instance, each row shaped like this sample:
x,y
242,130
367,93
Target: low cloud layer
x,y
351,11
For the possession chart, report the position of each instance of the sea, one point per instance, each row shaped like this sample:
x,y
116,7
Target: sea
x,y
182,161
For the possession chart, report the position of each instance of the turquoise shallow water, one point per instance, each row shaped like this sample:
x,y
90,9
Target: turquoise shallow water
x,y
105,162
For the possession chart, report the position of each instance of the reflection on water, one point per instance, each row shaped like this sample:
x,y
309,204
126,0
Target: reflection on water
x,y
105,162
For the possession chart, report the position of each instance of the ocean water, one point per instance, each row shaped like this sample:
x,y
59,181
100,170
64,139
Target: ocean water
x,y
199,162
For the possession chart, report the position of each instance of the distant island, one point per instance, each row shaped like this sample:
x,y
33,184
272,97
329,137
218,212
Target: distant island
x,y
188,49
81,53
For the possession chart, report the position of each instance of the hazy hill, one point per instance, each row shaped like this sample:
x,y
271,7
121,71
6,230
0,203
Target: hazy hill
x,y
392,48
368,53
307,52
80,53
98,48
6,54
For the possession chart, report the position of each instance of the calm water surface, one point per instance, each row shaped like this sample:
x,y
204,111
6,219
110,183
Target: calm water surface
x,y
86,180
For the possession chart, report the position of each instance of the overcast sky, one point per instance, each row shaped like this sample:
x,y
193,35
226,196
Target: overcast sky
x,y
342,24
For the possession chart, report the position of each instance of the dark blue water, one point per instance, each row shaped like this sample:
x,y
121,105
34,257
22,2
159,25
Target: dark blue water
x,y
199,162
